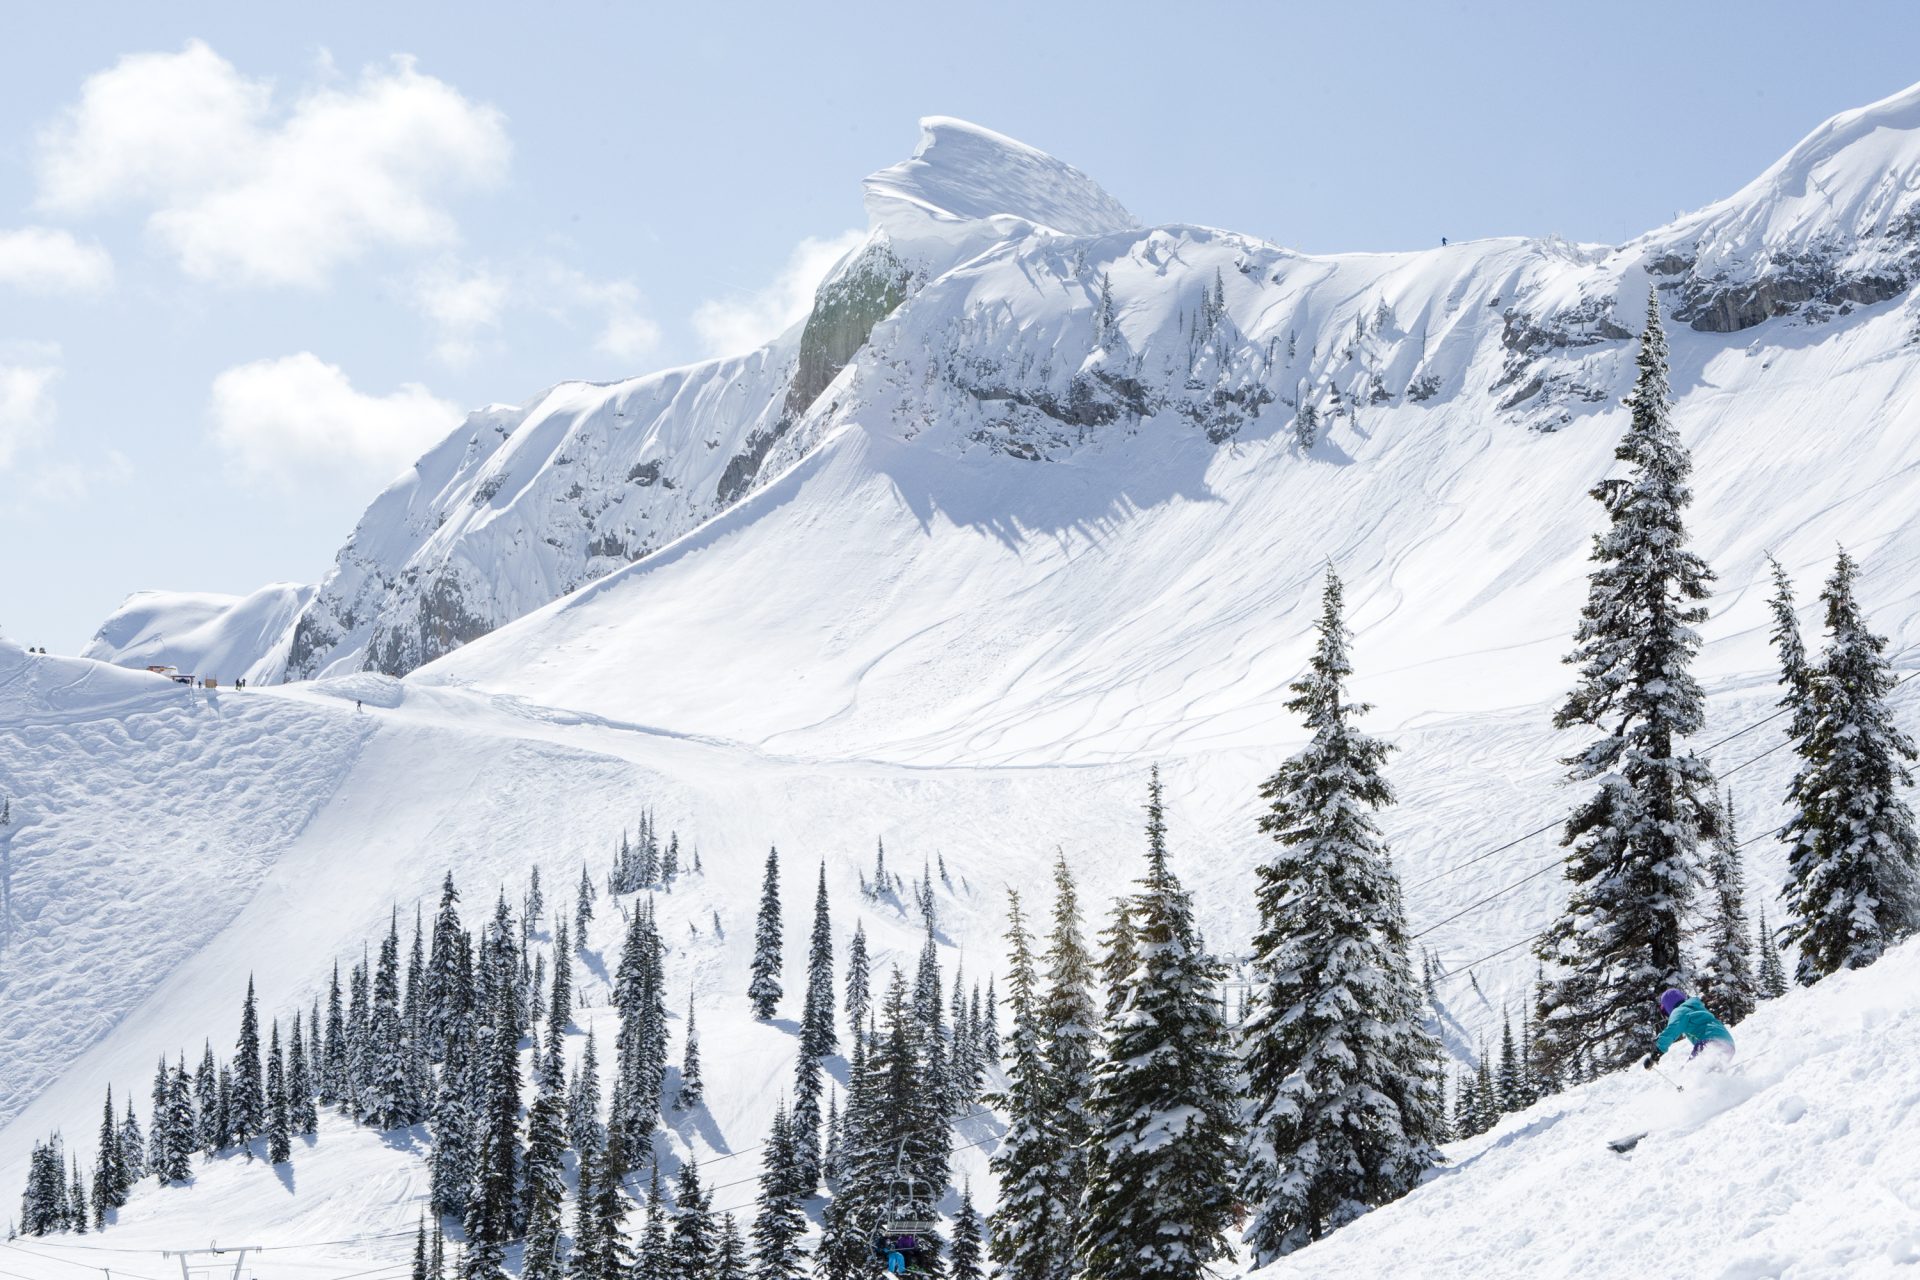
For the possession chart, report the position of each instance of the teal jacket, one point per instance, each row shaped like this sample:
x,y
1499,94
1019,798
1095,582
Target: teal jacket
x,y
1691,1019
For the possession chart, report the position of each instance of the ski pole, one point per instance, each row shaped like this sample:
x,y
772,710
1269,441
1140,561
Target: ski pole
x,y
1677,1086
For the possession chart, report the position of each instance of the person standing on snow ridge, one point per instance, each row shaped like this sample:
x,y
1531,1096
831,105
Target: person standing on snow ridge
x,y
1686,1016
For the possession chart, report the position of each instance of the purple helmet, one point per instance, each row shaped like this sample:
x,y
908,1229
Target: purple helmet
x,y
1672,998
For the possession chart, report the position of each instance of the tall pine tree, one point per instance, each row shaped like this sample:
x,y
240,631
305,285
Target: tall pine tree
x,y
1853,861
1727,983
1633,865
1344,1076
764,988
1160,1189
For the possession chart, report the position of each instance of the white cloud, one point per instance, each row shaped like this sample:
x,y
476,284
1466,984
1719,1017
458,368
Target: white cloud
x,y
730,325
48,260
463,304
26,405
289,418
242,190
467,304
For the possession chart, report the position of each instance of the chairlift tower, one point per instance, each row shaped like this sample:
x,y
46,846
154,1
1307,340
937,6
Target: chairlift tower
x,y
222,1262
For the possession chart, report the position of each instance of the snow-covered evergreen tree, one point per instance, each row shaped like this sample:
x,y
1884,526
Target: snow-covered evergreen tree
x,y
1853,862
640,1060
778,1223
694,1243
1160,1185
1633,865
248,1106
111,1179
817,1040
693,1088
1070,1031
1025,1238
1726,982
177,1165
301,1114
1771,981
492,1212
388,1081
543,1186
730,1261
452,1125
965,1261
333,1055
279,1121
1343,1073
764,988
584,1129
859,982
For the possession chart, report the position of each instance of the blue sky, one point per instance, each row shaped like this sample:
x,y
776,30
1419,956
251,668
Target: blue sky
x,y
253,259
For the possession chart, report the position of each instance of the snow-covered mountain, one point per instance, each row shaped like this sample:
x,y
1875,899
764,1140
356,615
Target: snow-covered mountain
x,y
227,637
1035,496
1002,298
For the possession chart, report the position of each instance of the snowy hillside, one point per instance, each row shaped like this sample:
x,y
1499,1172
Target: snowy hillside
x,y
227,637
1034,497
1797,1165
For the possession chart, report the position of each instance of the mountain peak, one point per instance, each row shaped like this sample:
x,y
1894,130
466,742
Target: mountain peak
x,y
962,174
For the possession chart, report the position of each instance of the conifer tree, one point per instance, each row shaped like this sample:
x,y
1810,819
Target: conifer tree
x,y
211,1134
778,1223
178,1163
1796,674
640,1064
279,1125
543,1187
301,1114
1486,1093
420,1250
764,989
1512,1081
1344,1075
1070,1031
491,1219
1026,1239
1853,861
583,1099
859,982
388,1098
965,1262
443,997
110,1177
817,1040
694,1242
730,1253
693,1089
560,1003
157,1115
333,1057
76,1200
587,1261
582,908
248,1105
654,1260
133,1147
1772,978
1119,957
1727,982
1633,867
1159,1192
452,1124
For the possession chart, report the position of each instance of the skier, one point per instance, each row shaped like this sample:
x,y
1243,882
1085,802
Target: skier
x,y
1686,1016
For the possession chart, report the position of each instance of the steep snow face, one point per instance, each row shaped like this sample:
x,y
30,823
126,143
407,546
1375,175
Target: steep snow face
x,y
1799,1163
212,635
1835,223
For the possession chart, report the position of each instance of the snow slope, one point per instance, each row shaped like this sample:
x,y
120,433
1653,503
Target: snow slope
x,y
1798,1165
227,637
